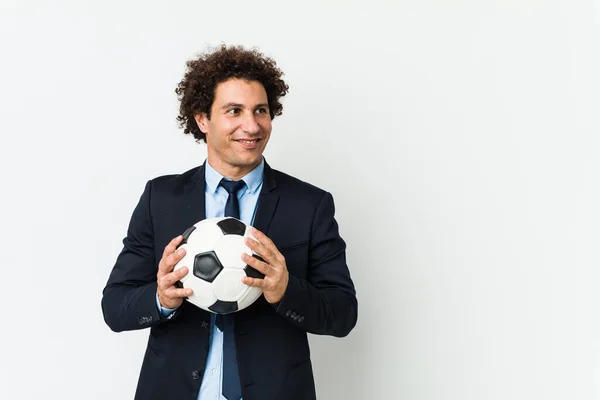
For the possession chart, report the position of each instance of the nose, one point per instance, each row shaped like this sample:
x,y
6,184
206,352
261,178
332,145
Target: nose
x,y
249,125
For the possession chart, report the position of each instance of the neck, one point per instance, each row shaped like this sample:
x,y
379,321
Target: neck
x,y
232,172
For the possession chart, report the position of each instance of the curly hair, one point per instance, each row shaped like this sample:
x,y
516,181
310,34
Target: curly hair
x,y
196,92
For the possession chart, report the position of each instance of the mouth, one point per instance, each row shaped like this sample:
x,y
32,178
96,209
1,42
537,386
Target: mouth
x,y
248,143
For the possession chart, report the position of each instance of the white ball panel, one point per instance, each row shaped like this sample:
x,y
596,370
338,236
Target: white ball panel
x,y
228,285
249,297
204,238
204,295
186,261
229,251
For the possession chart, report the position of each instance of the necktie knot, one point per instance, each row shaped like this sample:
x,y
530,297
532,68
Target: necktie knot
x,y
232,187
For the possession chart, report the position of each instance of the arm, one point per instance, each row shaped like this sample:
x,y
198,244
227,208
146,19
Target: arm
x,y
323,303
326,301
130,299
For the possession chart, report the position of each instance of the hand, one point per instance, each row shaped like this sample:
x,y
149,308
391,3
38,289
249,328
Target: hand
x,y
276,277
169,295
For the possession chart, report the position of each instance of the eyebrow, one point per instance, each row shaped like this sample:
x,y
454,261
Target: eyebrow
x,y
238,105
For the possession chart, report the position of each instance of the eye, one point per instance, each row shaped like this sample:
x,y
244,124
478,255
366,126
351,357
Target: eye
x,y
234,111
262,110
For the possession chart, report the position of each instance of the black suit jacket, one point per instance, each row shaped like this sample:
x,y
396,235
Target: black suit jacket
x,y
272,347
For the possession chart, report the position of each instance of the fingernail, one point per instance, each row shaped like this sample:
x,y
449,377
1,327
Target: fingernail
x,y
180,251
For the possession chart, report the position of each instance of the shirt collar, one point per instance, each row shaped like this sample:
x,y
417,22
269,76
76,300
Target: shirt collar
x,y
253,179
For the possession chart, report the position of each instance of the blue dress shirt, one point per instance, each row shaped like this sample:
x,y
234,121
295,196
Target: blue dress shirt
x,y
216,197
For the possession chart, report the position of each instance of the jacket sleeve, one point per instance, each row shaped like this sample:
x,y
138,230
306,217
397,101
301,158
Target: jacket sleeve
x,y
129,298
325,303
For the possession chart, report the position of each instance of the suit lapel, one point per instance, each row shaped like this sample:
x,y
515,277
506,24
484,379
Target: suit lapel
x,y
193,202
267,202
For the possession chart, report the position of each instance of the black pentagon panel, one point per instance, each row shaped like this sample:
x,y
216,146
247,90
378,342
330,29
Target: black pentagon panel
x,y
207,266
186,235
232,226
251,272
224,307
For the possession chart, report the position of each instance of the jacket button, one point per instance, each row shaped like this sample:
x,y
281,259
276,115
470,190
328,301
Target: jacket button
x,y
300,319
196,375
204,325
293,315
288,312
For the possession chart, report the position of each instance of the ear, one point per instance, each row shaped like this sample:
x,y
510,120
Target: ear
x,y
202,122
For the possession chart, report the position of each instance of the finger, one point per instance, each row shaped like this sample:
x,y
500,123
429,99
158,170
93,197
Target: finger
x,y
257,264
167,263
169,279
261,237
269,245
175,257
172,246
255,282
261,250
174,293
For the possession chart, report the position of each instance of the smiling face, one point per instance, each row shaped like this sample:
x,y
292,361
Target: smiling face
x,y
238,129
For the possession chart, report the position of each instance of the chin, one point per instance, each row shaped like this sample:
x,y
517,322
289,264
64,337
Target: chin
x,y
247,162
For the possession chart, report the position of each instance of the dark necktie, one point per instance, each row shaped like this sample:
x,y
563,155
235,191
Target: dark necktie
x,y
231,378
232,207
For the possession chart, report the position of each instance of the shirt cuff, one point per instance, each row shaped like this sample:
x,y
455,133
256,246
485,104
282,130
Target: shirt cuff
x,y
165,312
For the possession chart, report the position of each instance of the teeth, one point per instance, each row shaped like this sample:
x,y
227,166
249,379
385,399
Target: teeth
x,y
249,141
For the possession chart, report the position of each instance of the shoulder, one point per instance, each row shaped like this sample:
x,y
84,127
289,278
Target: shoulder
x,y
304,191
176,182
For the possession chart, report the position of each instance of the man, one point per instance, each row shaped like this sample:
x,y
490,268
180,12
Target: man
x,y
228,99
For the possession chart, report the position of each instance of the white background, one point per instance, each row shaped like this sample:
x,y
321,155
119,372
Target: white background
x,y
477,120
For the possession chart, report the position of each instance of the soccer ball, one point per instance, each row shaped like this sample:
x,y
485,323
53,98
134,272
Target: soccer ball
x,y
214,248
